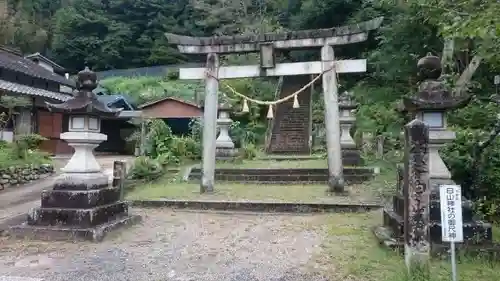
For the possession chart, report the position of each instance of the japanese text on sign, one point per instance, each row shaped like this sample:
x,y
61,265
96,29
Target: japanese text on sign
x,y
451,213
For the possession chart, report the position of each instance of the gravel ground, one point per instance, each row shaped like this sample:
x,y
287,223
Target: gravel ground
x,y
173,245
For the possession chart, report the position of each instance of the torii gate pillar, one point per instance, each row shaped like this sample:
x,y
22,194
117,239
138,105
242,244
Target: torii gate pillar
x,y
210,123
332,123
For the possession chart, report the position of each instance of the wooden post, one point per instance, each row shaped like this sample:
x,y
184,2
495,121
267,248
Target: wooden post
x,y
119,172
210,123
332,124
311,99
142,147
416,193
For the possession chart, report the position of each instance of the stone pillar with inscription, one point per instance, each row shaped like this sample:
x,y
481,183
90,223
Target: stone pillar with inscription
x,y
416,194
429,105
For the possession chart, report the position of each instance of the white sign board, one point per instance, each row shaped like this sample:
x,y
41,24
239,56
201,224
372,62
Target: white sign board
x,y
497,80
451,213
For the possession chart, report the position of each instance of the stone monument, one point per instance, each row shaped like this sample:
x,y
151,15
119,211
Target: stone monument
x,y
351,155
429,105
224,145
416,197
81,204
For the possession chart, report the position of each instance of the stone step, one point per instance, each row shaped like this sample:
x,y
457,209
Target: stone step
x,y
285,171
475,232
77,217
281,179
288,152
293,127
82,199
291,136
291,147
291,130
435,209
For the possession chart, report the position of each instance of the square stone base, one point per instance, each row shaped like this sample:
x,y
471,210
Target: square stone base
x,y
385,237
226,154
351,157
475,232
77,217
62,233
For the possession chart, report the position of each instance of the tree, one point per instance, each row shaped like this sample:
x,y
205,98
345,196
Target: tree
x,y
20,29
115,34
471,31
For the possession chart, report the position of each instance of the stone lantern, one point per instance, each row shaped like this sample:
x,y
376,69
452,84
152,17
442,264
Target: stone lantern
x,y
81,204
224,144
430,104
351,155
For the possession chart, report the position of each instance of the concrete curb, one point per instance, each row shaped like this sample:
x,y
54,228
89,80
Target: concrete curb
x,y
257,206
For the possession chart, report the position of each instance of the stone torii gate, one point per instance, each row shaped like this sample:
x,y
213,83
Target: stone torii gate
x,y
266,44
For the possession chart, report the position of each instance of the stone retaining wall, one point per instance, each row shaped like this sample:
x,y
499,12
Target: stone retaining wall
x,y
17,175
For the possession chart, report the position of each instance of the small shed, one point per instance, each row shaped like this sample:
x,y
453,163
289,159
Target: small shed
x,y
175,112
117,129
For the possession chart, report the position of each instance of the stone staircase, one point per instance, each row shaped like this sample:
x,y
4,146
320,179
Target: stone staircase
x,y
291,126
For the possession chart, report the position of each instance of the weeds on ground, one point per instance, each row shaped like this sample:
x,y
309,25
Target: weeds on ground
x,y
351,252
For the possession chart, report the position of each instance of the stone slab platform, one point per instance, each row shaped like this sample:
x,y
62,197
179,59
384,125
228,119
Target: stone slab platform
x,y
257,206
287,171
477,232
61,233
278,157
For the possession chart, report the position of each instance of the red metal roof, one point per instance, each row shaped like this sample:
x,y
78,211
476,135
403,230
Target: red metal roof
x,y
148,104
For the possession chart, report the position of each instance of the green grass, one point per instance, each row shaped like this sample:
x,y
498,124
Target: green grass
x,y
166,189
350,252
174,188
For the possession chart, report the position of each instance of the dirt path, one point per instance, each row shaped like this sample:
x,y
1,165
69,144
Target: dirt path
x,y
173,245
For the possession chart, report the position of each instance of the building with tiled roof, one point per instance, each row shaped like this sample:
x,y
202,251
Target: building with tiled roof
x,y
33,77
21,75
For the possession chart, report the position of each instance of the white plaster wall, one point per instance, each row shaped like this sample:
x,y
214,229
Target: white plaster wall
x,y
7,135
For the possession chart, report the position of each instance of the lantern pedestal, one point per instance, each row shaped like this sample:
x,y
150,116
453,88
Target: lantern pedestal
x,y
351,155
224,146
82,204
83,160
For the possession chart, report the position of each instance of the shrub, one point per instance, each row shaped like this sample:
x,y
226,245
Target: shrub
x,y
186,148
249,152
24,145
167,159
484,187
145,168
11,154
30,141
